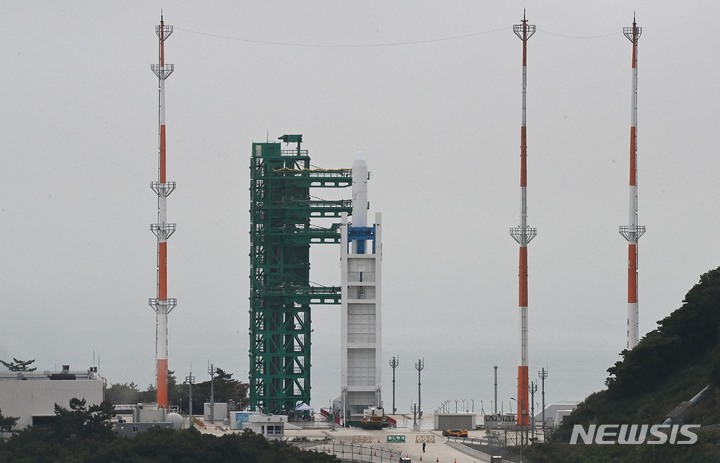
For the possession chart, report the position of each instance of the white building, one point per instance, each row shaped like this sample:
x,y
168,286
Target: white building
x,y
270,426
556,412
361,315
32,396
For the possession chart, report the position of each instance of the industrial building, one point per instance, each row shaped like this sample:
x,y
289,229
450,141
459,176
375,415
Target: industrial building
x,y
31,396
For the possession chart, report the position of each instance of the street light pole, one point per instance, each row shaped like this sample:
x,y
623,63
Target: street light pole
x,y
394,363
495,409
419,367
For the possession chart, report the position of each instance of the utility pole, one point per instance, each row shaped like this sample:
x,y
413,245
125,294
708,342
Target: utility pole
x,y
533,389
419,365
394,363
211,371
190,379
495,409
416,427
543,374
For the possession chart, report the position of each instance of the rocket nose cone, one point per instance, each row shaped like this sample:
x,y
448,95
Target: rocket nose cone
x,y
359,164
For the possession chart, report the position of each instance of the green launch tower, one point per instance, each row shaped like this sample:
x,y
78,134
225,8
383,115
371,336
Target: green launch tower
x,y
281,209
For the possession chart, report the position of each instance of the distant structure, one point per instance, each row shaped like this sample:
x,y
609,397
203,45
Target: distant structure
x,y
31,396
162,305
361,320
523,234
281,233
633,231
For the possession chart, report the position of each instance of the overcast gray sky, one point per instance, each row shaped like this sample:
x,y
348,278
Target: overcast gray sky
x,y
437,120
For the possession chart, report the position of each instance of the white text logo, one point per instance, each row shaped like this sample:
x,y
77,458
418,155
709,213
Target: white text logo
x,y
633,434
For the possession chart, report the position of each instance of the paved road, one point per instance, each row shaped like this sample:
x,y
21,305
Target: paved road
x,y
357,443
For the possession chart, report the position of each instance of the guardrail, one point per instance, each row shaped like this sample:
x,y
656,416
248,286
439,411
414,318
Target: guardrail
x,y
376,453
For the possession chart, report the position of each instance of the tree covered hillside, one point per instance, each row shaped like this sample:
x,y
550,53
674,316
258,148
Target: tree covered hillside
x,y
670,365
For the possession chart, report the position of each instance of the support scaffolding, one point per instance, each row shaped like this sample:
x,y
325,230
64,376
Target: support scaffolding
x,y
280,289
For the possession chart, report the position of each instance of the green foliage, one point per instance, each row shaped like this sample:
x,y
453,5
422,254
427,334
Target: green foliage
x,y
148,395
685,335
670,365
155,446
226,389
81,421
7,423
122,393
19,365
707,449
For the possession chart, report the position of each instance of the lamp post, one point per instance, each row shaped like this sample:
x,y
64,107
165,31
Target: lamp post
x,y
419,365
495,409
394,363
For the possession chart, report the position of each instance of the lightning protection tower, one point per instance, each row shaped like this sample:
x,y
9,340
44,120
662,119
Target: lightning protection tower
x,y
633,231
281,233
523,234
162,305
360,319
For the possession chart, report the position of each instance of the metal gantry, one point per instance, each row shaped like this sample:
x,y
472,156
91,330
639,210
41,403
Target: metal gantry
x,y
281,293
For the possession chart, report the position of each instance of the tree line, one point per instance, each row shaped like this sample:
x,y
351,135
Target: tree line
x,y
84,434
226,389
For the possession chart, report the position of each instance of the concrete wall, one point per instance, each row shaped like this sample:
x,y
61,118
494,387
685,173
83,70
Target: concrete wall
x,y
37,395
220,412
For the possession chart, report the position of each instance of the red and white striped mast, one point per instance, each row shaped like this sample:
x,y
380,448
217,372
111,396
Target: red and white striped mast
x,y
633,231
162,305
523,235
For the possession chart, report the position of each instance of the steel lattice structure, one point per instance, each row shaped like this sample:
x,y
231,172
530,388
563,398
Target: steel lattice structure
x,y
281,293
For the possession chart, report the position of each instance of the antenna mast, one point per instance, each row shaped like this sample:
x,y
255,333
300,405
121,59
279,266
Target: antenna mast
x,y
162,305
633,231
523,234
